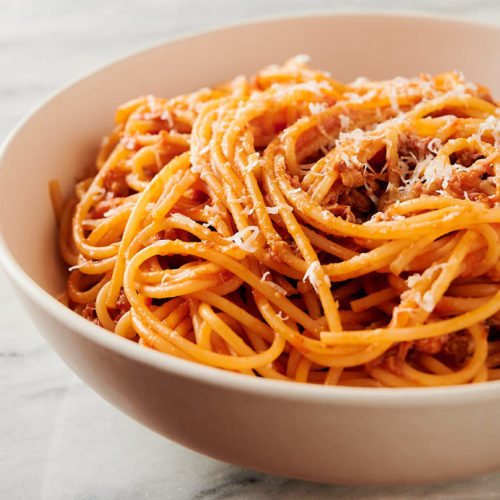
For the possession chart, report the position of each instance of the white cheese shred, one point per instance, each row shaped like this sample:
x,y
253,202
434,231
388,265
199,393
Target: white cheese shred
x,y
312,276
240,240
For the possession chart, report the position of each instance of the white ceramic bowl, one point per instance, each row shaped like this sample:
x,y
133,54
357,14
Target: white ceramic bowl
x,y
317,433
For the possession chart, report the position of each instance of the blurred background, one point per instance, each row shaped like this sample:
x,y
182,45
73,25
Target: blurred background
x,y
58,440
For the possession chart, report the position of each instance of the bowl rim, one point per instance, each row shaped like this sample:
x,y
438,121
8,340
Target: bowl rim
x,y
277,389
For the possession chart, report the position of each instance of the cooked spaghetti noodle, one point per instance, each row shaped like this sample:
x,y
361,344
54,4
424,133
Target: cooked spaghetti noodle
x,y
293,227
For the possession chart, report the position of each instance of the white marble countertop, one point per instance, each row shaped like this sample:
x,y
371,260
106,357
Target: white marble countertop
x,y
58,439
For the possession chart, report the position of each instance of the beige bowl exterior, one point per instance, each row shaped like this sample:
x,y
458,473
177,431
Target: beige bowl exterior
x,y
309,432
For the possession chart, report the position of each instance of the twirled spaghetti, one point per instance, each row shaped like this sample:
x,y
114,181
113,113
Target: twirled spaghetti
x,y
293,227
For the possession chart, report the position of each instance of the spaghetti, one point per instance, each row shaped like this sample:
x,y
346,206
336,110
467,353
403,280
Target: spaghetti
x,y
293,227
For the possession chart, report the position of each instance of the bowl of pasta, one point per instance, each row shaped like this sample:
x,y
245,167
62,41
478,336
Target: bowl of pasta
x,y
290,263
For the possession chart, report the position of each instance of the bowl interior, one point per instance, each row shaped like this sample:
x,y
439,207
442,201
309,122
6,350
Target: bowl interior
x,y
60,139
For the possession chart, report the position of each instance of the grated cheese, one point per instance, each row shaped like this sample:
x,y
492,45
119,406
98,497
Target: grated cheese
x,y
246,245
360,81
151,102
393,99
434,145
302,59
325,133
167,116
282,316
278,288
111,212
311,275
253,162
412,280
345,158
492,125
97,191
272,210
317,107
231,199
426,302
313,86
345,121
77,266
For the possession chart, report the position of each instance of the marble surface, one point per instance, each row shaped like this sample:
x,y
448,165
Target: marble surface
x,y
59,440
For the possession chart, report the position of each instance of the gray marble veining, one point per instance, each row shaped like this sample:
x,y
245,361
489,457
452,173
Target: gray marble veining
x,y
58,440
